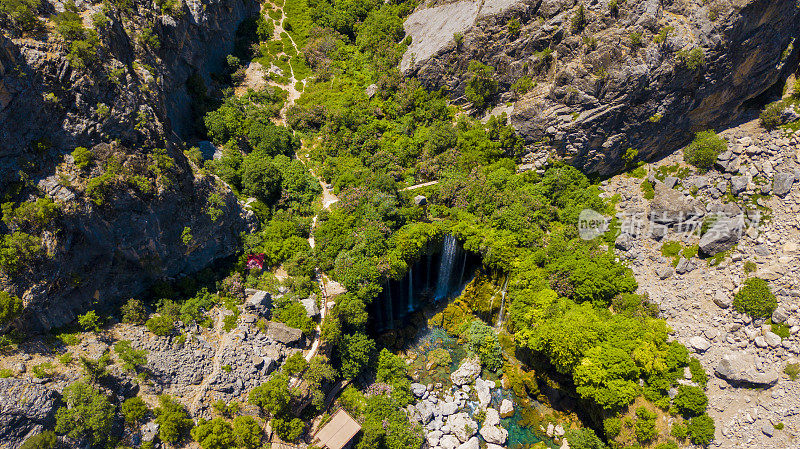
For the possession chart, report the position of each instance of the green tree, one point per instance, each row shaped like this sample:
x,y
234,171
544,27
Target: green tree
x,y
89,321
10,308
82,157
390,367
482,340
288,429
22,14
645,427
295,364
88,413
173,420
247,433
481,85
755,299
355,353
584,439
133,312
273,396
132,358
135,411
214,434
260,178
17,250
161,325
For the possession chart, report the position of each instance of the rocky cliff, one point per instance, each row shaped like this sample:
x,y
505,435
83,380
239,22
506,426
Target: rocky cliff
x,y
592,79
134,213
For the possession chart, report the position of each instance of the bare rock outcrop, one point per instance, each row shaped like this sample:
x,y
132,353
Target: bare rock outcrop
x,y
643,77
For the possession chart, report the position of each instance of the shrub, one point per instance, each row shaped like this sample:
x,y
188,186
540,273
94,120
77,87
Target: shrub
x,y
135,411
95,369
698,373
770,116
83,157
755,299
10,308
88,413
612,427
513,26
17,250
584,439
133,312
691,59
690,401
131,358
645,427
5,373
679,431
161,325
43,370
293,314
579,20
44,440
89,321
173,420
701,429
481,85
750,267
704,149
792,370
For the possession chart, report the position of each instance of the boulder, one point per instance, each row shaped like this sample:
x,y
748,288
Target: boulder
x,y
283,333
449,442
722,299
420,200
483,392
425,410
492,418
665,272
780,315
472,443
448,408
312,311
700,344
418,390
506,408
371,90
738,184
739,370
623,242
782,183
259,301
494,434
462,426
772,339
149,431
25,408
722,235
467,372
670,206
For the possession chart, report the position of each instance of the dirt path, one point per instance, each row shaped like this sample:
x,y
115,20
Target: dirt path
x,y
216,366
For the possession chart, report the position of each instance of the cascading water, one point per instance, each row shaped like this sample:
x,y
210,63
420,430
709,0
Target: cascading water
x,y
411,290
446,268
441,273
502,303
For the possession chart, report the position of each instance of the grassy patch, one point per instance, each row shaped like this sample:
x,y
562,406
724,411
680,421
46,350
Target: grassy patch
x,y
648,190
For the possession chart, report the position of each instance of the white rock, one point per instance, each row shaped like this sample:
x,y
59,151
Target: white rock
x,y
472,443
492,418
482,389
462,426
699,343
506,408
449,442
467,372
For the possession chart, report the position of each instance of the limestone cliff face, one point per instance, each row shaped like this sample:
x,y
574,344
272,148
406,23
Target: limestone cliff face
x,y
129,103
624,79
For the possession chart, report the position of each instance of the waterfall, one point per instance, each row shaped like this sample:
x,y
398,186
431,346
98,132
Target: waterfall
x,y
502,303
463,267
411,289
446,267
389,311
